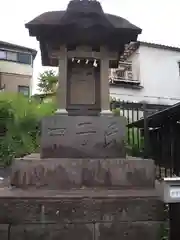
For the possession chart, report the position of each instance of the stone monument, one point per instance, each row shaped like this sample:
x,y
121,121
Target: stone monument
x,y
82,185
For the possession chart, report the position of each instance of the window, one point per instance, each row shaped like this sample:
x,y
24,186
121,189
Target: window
x,y
179,67
12,56
2,54
24,90
24,58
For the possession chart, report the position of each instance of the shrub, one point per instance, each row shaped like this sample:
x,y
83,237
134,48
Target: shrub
x,y
20,125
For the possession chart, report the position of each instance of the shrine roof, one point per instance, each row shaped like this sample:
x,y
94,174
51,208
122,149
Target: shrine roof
x,y
82,23
55,17
82,14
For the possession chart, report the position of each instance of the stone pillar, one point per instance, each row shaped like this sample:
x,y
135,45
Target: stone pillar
x,y
62,82
104,86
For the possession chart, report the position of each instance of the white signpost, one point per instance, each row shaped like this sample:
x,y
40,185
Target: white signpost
x,y
171,190
171,196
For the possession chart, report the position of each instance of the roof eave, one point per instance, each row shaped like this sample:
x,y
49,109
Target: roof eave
x,y
19,47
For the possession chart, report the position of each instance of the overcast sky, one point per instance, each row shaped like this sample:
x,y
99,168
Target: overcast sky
x,y
159,20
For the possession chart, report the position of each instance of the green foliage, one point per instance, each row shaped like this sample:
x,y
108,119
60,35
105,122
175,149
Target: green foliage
x,y
48,81
20,125
135,141
116,112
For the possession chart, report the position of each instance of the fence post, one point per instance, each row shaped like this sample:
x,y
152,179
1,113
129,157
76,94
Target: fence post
x,y
146,132
174,220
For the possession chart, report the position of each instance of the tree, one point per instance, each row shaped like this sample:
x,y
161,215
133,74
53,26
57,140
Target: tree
x,y
48,81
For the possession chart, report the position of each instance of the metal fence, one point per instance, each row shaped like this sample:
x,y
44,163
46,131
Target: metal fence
x,y
136,141
146,142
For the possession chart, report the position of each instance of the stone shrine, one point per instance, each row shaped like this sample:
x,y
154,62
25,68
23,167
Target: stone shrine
x,y
82,185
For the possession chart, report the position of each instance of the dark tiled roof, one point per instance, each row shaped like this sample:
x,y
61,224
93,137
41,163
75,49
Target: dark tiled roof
x,y
4,44
83,22
55,17
49,18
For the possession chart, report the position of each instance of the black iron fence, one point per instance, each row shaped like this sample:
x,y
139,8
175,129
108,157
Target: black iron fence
x,y
133,112
149,142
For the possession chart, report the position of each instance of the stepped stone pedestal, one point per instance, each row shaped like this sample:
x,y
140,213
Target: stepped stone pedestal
x,y
86,198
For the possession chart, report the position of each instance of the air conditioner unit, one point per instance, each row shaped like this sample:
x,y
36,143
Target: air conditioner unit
x,y
129,75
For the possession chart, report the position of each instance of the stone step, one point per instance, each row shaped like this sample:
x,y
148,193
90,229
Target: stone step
x,y
62,173
86,231
77,206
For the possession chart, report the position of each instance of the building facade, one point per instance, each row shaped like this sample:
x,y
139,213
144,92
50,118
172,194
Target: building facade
x,y
16,68
147,73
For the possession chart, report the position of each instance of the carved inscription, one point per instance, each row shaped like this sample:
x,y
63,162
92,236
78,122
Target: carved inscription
x,y
84,124
56,131
109,133
82,136
85,132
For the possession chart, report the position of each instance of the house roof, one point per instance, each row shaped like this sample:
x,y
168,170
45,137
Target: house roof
x,y
133,46
4,44
161,46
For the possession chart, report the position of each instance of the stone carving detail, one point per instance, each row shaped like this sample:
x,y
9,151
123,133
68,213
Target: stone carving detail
x,y
82,85
79,136
56,131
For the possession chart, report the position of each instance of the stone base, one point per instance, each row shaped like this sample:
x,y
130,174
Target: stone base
x,y
55,173
81,214
83,137
94,199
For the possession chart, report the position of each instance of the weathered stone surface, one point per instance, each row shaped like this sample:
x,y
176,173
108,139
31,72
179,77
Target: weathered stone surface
x,y
77,173
91,231
81,206
83,137
52,232
4,231
128,231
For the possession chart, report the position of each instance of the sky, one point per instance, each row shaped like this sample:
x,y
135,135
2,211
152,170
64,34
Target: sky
x,y
159,20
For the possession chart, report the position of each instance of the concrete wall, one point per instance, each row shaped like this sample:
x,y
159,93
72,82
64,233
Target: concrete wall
x,y
159,76
12,81
15,68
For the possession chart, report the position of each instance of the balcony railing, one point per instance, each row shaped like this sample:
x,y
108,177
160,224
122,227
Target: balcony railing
x,y
116,80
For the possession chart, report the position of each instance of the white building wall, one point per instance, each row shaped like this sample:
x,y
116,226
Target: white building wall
x,y
159,76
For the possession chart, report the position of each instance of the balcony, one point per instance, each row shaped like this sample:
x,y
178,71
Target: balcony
x,y
124,76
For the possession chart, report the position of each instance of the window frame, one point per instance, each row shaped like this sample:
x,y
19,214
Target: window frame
x,y
11,52
25,54
5,55
178,67
24,86
17,60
